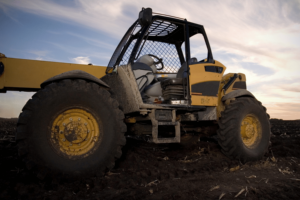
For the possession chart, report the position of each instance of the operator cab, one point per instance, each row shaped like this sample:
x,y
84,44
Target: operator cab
x,y
158,49
158,85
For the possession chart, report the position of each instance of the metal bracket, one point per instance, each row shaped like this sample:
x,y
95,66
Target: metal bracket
x,y
144,111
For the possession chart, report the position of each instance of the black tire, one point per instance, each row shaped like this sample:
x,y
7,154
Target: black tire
x,y
229,133
34,132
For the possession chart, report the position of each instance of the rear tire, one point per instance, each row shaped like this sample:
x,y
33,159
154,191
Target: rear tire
x,y
244,132
72,128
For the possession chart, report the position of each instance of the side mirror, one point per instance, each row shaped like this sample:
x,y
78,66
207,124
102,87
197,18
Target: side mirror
x,y
145,16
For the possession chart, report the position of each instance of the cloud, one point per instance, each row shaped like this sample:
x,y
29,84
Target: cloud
x,y
104,16
89,40
92,41
84,52
81,60
285,110
6,11
259,31
291,87
39,53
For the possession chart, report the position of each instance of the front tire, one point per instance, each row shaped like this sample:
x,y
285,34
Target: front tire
x,y
244,132
71,128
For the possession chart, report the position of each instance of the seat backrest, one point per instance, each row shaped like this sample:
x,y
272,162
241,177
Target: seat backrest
x,y
182,72
143,74
148,61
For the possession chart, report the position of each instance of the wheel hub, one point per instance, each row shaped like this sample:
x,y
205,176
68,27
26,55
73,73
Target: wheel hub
x,y
250,130
75,133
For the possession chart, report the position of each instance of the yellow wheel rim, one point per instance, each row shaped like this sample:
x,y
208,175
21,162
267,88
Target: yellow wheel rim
x,y
251,131
75,133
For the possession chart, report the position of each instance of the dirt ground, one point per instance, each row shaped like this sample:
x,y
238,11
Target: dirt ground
x,y
150,171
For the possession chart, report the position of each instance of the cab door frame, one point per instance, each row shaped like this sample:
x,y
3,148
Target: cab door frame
x,y
199,99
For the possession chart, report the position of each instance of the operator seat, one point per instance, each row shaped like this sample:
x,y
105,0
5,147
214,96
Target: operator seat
x,y
143,70
176,91
174,88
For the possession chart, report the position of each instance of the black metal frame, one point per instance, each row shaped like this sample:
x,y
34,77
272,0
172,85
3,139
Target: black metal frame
x,y
115,61
186,25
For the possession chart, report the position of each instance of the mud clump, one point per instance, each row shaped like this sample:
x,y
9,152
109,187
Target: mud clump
x,y
151,171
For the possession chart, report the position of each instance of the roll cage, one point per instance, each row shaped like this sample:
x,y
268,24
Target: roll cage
x,y
167,30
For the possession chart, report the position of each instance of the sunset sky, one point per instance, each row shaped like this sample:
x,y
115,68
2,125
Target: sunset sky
x,y
258,38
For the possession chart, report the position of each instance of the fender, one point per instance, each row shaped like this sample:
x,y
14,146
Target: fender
x,y
238,93
74,74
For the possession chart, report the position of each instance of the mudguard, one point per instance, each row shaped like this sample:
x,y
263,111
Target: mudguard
x,y
238,93
74,74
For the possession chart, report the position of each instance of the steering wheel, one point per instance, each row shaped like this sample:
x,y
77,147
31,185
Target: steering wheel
x,y
159,61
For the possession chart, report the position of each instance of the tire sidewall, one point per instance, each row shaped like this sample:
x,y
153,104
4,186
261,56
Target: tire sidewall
x,y
259,149
98,103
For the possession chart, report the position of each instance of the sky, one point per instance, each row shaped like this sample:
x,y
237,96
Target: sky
x,y
258,38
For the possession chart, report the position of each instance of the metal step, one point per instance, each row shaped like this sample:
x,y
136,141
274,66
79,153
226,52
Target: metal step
x,y
156,123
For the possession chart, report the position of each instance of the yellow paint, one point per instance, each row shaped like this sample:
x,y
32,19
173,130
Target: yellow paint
x,y
110,71
199,75
221,106
204,100
130,120
251,132
29,74
75,133
221,93
241,77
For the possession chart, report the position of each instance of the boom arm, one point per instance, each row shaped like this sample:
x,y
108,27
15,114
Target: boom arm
x,y
27,75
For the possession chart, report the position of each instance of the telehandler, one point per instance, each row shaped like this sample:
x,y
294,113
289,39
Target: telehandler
x,y
75,123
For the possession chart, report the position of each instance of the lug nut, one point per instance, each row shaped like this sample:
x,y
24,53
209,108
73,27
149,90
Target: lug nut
x,y
70,144
63,139
79,119
64,124
85,124
78,144
71,119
